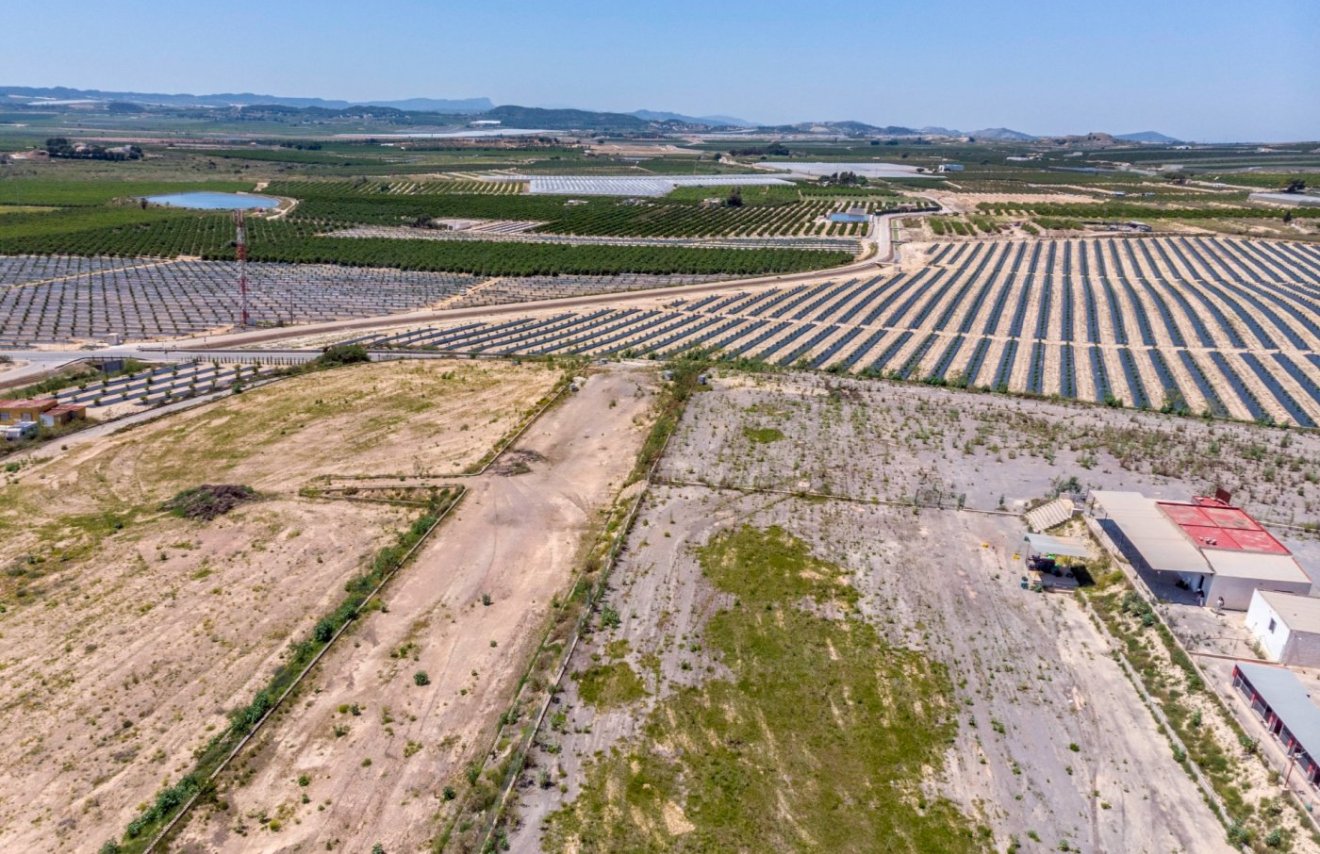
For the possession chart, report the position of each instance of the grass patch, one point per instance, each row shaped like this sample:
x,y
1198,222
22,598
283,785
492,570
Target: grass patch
x,y
762,435
608,685
819,740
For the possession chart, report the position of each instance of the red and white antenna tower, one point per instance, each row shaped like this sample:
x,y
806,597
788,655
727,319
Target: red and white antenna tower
x,y
240,249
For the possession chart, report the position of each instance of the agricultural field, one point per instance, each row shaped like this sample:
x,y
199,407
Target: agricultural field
x,y
62,299
169,234
134,635
392,724
726,695
515,231
108,397
104,217
1224,327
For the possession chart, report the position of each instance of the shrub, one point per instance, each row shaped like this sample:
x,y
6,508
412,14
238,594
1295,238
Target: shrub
x,y
343,354
209,500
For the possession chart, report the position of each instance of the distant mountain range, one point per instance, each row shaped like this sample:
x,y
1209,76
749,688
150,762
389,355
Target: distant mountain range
x,y
723,121
1149,137
423,111
1001,135
243,99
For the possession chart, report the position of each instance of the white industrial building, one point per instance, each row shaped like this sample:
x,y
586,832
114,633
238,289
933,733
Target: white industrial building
x,y
1212,550
1287,627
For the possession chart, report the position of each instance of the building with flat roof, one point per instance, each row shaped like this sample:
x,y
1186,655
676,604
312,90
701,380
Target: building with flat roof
x,y
18,411
1206,546
1286,626
1282,703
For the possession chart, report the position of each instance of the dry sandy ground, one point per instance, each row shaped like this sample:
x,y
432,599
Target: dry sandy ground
x,y
1030,664
967,202
1034,673
517,537
137,631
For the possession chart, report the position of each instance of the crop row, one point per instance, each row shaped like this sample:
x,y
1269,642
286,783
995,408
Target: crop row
x,y
971,313
169,234
1259,393
1122,212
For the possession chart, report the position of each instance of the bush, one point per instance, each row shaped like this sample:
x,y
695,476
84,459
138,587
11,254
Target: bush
x,y
209,500
343,354
1238,835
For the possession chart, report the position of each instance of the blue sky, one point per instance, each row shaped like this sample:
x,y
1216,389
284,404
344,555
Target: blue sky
x,y
1206,70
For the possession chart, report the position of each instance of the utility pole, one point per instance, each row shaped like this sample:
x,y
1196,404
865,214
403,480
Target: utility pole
x,y
240,249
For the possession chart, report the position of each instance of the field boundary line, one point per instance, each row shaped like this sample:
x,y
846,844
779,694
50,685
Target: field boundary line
x,y
807,494
186,809
594,596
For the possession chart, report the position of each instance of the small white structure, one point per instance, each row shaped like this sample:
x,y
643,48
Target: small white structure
x,y
1287,627
19,431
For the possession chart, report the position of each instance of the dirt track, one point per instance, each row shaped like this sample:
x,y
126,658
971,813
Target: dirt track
x,y
516,537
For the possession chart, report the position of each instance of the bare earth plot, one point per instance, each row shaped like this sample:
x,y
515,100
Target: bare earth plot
x,y
128,633
1051,739
367,755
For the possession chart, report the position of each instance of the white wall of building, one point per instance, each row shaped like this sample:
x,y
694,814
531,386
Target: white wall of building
x,y
1237,592
1266,627
1279,641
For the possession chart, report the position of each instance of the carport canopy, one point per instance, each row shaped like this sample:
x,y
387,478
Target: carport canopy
x,y
1046,545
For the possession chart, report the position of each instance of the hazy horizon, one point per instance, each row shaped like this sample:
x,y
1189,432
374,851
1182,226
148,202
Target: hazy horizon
x,y
1207,72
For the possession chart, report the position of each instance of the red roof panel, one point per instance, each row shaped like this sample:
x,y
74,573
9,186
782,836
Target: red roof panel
x,y
1212,525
